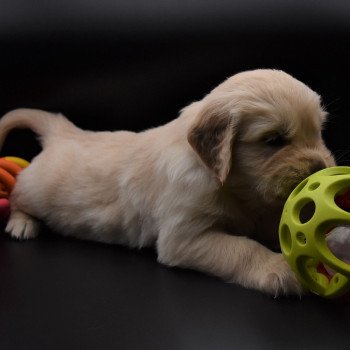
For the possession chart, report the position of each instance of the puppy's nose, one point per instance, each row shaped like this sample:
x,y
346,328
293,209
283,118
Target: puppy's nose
x,y
319,165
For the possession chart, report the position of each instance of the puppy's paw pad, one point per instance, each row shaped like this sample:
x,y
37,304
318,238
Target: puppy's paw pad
x,y
22,226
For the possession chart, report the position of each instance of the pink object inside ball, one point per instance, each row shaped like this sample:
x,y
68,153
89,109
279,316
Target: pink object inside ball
x,y
4,208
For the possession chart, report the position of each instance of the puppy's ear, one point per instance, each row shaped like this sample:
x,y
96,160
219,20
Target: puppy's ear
x,y
212,135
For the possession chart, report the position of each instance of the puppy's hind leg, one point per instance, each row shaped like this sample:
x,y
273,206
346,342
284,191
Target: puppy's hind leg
x,y
22,225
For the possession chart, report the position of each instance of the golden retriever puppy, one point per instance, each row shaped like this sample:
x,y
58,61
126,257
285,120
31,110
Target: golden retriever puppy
x,y
207,188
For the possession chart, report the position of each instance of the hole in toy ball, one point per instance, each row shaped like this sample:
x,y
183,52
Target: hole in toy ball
x,y
286,239
329,275
314,186
325,271
342,199
299,188
301,238
307,212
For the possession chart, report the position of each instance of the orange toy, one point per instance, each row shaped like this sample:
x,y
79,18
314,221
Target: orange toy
x,y
10,167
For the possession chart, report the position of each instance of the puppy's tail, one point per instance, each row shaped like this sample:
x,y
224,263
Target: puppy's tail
x,y
41,122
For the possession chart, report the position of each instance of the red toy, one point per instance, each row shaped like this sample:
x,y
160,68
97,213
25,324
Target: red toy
x,y
10,167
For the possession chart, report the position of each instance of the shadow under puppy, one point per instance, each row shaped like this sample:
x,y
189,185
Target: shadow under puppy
x,y
207,188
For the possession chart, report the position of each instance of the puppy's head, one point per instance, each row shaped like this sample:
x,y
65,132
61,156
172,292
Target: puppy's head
x,y
260,134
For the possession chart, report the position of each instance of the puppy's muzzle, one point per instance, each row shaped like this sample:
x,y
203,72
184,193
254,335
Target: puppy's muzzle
x,y
278,185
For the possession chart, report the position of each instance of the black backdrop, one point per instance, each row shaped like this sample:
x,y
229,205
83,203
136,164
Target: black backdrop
x,y
134,65
113,64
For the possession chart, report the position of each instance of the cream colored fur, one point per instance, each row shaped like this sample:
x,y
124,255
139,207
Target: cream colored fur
x,y
207,188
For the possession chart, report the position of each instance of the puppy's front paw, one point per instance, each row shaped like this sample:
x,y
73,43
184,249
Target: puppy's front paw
x,y
22,226
277,278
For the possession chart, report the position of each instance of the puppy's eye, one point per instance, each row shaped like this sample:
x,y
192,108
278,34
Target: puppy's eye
x,y
275,140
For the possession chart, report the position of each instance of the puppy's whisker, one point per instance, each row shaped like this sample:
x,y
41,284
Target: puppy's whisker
x,y
330,103
341,155
347,150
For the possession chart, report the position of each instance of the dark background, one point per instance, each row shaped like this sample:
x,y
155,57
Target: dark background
x,y
133,65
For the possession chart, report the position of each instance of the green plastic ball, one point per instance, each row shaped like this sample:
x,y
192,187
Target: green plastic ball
x,y
309,214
